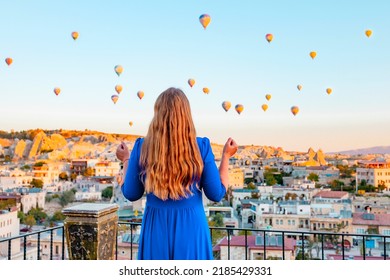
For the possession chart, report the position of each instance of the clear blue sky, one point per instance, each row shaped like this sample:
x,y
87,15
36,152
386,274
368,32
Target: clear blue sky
x,y
162,44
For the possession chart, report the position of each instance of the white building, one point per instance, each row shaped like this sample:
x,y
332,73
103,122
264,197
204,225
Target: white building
x,y
10,182
374,173
9,227
88,194
107,168
227,212
48,173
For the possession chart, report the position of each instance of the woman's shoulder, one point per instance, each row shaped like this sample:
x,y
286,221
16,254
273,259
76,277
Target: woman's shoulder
x,y
138,143
204,146
203,142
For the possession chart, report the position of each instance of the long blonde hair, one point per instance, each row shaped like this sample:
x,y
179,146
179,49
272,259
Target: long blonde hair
x,y
170,156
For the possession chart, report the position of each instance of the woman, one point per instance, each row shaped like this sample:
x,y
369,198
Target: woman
x,y
173,167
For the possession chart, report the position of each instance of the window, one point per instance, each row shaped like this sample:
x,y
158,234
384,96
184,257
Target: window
x,y
386,232
360,230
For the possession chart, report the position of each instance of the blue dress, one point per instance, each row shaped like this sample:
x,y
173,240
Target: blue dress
x,y
175,229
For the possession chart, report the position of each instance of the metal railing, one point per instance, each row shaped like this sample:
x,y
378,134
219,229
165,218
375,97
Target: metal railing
x,y
319,239
25,239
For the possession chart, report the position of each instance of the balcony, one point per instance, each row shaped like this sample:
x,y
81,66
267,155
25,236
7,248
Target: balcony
x,y
228,243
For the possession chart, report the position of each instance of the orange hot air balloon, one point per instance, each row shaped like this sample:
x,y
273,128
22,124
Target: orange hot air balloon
x,y
226,105
75,35
268,96
264,107
294,110
191,82
239,108
313,55
368,33
118,70
299,87
131,123
9,61
206,90
57,90
328,90
269,37
118,89
114,98
205,20
140,94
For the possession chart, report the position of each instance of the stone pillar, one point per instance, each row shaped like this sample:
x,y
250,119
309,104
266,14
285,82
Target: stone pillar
x,y
91,231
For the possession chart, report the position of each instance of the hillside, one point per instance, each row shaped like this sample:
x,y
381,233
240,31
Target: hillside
x,y
67,145
366,151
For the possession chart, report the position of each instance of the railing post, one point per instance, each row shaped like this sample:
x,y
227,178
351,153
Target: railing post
x,y
90,230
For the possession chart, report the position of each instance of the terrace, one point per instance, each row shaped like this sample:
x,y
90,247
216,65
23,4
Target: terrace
x,y
102,236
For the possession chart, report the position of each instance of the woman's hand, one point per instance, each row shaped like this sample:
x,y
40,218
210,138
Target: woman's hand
x,y
122,152
230,148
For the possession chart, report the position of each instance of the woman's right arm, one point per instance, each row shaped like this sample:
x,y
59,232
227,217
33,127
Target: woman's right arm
x,y
229,150
214,181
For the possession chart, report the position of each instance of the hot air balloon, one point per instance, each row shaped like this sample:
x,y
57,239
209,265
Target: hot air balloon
x,y
57,90
131,123
140,94
294,110
299,87
264,107
75,35
239,108
118,70
206,90
313,55
114,98
9,61
368,32
268,96
118,89
205,20
226,105
269,37
328,90
191,82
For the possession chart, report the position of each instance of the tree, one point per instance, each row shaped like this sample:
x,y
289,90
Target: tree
x,y
381,186
39,164
30,221
217,221
22,217
73,176
300,255
107,192
38,214
251,186
88,172
58,216
270,180
7,203
66,198
26,167
336,185
248,180
63,176
292,195
313,177
37,183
